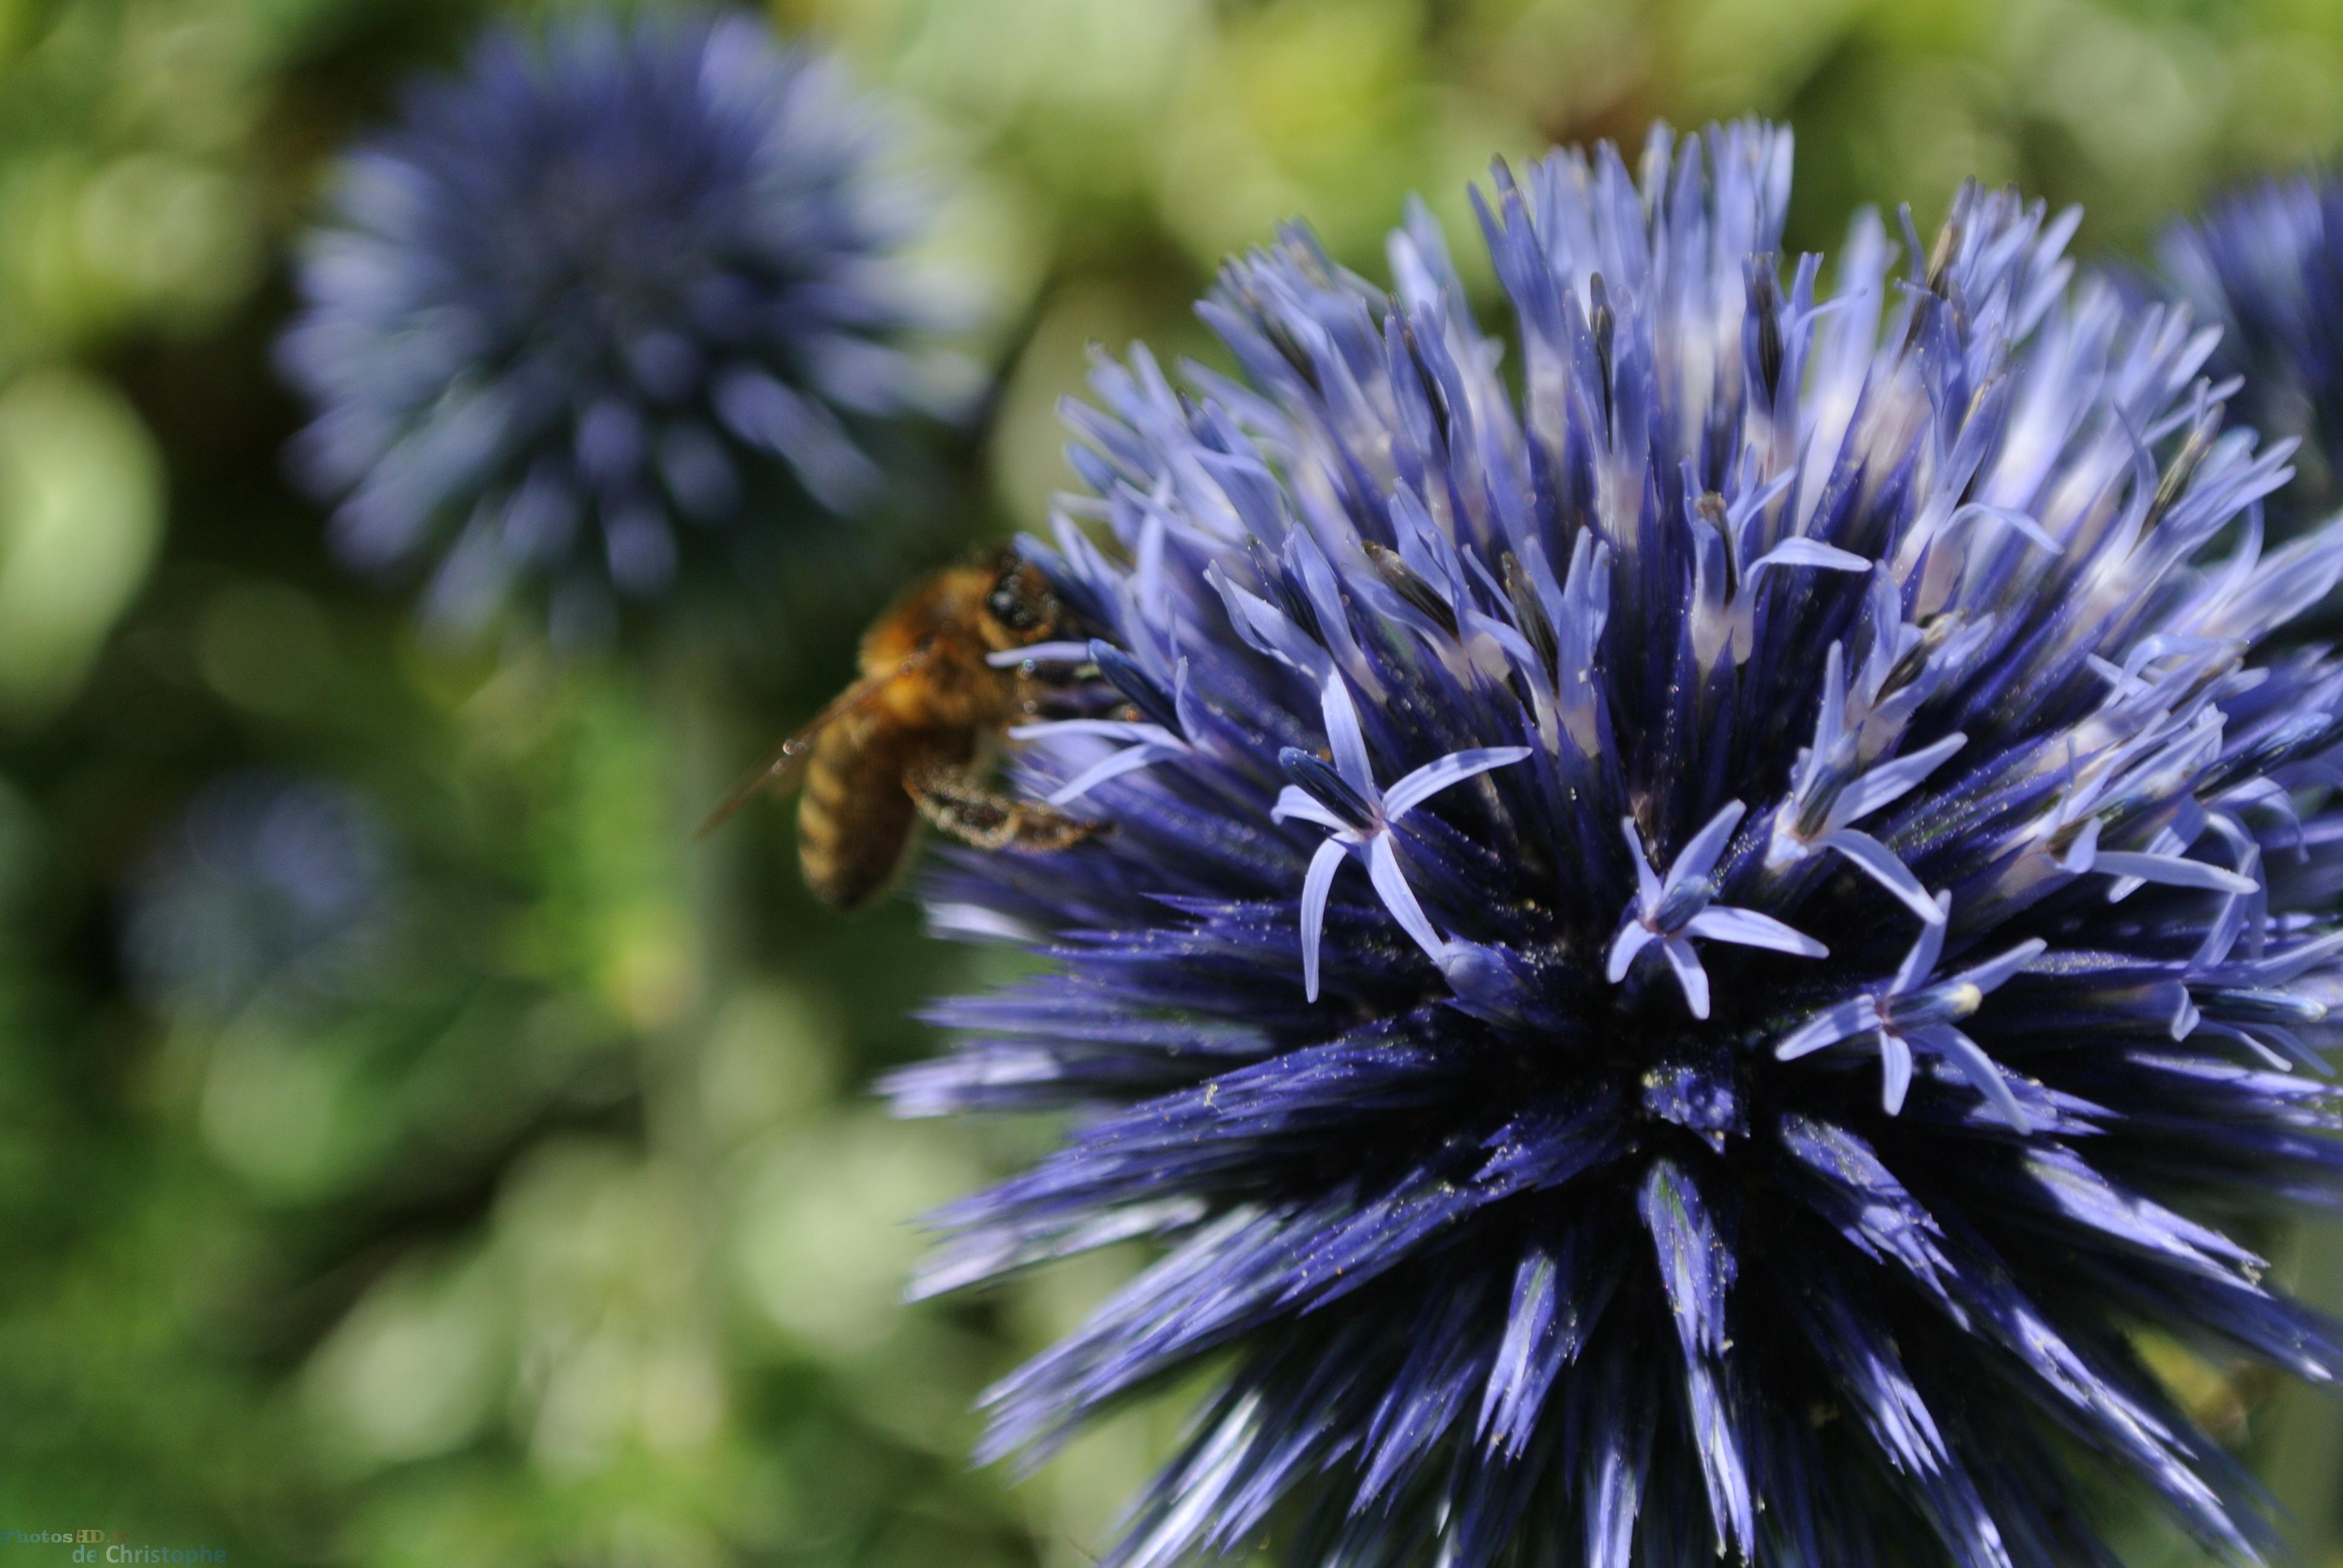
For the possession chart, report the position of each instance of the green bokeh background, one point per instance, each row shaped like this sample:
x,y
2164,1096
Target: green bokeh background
x,y
572,1234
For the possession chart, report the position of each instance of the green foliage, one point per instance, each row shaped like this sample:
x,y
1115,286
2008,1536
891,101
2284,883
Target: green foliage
x,y
568,1233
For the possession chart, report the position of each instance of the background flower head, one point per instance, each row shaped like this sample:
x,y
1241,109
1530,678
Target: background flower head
x,y
2264,265
1712,901
270,884
611,301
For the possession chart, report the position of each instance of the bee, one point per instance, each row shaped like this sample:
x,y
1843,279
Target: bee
x,y
905,741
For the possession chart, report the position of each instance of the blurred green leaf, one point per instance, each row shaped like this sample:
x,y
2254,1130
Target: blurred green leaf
x,y
80,515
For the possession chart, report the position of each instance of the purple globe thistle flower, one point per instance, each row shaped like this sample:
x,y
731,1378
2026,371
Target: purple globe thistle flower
x,y
599,305
1842,912
2266,265
270,884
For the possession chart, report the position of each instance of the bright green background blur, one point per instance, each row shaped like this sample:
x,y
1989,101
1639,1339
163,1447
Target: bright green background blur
x,y
570,1233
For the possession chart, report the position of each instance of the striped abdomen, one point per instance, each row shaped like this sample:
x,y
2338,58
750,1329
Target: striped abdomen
x,y
855,817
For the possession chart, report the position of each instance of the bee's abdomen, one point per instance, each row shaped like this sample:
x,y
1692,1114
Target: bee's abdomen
x,y
854,818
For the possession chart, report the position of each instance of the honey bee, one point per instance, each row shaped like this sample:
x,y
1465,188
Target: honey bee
x,y
905,740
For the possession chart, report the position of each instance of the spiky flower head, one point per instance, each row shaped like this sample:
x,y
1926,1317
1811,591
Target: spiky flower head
x,y
269,885
613,300
2266,265
1705,905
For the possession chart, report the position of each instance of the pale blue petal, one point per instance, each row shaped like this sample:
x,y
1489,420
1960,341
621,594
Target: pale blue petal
x,y
1841,1020
1896,1071
1267,628
1633,938
1040,653
1103,729
1892,781
2290,965
1877,861
1127,761
1994,972
2080,854
1344,738
1698,857
1748,928
1830,720
1978,512
1979,1069
1295,803
1689,974
2267,1052
1803,552
1315,886
1920,962
1413,789
2173,872
1383,868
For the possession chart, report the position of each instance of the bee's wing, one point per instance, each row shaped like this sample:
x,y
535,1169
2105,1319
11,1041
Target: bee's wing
x,y
779,771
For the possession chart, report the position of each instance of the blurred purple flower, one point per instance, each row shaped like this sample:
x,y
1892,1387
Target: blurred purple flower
x,y
269,884
2265,265
577,315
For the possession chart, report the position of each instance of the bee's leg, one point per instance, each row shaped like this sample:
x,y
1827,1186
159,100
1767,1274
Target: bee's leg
x,y
1065,693
959,803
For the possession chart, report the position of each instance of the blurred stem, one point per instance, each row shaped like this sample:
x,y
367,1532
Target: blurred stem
x,y
685,687
2302,1454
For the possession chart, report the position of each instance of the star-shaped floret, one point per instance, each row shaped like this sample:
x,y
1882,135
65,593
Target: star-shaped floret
x,y
1359,815
1673,910
1909,1012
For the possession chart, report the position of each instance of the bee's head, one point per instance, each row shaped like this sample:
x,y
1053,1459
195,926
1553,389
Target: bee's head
x,y
1021,609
